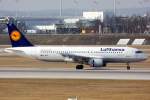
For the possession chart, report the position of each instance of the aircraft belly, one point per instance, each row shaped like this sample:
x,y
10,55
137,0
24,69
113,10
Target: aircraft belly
x,y
120,60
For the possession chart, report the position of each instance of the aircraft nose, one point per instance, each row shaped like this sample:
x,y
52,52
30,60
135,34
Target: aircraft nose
x,y
145,57
142,56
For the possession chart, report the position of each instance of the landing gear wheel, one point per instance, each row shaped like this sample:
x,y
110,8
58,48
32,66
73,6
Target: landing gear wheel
x,y
79,67
128,67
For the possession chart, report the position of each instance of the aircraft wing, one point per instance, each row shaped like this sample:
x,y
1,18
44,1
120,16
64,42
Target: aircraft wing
x,y
80,58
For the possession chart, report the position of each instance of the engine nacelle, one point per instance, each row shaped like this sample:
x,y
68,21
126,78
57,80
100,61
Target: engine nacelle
x,y
96,63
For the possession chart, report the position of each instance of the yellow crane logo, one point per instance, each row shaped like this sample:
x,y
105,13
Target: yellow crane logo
x,y
15,36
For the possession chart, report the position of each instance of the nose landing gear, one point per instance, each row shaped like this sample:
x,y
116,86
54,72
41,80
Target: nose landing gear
x,y
128,66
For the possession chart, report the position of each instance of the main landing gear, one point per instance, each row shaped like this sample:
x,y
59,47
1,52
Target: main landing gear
x,y
79,67
128,66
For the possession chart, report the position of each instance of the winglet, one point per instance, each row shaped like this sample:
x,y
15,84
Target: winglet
x,y
16,37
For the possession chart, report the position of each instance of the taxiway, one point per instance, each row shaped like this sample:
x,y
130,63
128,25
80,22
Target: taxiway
x,y
37,73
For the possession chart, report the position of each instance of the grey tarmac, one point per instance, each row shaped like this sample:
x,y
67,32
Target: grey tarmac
x,y
69,73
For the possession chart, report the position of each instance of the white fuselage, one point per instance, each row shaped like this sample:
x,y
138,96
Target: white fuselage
x,y
70,53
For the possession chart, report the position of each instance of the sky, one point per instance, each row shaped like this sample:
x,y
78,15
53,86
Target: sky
x,y
37,5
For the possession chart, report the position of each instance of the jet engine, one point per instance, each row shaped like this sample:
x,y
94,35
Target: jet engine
x,y
96,63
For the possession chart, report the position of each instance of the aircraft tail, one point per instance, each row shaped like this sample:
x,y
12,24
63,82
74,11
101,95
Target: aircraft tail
x,y
16,37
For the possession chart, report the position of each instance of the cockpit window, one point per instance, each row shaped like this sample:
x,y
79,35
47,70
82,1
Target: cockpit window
x,y
139,52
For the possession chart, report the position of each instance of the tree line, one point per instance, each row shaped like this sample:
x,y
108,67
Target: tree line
x,y
133,24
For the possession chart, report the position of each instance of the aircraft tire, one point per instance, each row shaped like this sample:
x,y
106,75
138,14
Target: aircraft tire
x,y
128,68
79,67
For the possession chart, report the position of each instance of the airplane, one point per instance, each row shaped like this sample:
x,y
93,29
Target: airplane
x,y
95,57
